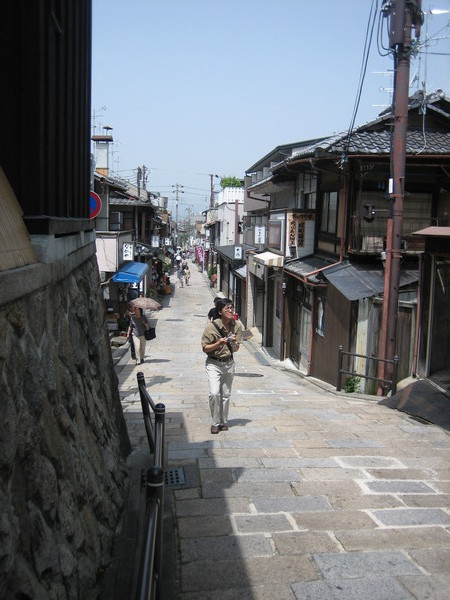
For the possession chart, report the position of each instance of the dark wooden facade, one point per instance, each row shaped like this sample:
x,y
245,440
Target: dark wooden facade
x,y
338,331
45,108
434,347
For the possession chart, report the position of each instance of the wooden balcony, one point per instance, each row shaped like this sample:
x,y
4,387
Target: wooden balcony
x,y
369,239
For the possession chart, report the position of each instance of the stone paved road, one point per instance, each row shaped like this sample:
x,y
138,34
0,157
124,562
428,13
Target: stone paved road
x,y
311,495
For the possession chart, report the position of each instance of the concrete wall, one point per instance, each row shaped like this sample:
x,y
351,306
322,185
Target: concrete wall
x,y
63,438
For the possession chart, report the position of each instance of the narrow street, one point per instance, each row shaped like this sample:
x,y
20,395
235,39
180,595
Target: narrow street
x,y
311,494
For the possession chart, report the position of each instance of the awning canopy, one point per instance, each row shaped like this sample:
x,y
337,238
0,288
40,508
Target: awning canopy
x,y
434,231
242,272
145,249
229,252
131,272
269,259
307,268
354,281
362,281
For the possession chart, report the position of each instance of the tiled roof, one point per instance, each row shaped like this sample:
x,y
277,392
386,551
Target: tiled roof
x,y
377,142
279,153
369,138
116,201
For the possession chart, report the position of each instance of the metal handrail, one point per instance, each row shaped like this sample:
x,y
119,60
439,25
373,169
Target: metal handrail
x,y
341,371
151,568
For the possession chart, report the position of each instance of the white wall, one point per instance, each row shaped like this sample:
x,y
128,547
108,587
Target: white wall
x,y
226,214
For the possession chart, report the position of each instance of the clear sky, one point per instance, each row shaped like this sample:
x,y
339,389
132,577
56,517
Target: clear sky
x,y
193,87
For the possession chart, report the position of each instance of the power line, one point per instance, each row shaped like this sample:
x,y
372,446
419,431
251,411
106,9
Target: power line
x,y
362,74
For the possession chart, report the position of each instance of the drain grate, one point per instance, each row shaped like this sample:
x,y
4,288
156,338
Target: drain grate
x,y
174,476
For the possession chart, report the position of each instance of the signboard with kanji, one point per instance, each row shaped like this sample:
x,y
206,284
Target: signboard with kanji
x,y
127,251
260,233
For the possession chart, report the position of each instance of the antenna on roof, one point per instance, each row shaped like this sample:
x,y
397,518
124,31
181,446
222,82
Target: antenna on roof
x,y
425,45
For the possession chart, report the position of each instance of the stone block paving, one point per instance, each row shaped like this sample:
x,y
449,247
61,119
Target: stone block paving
x,y
310,495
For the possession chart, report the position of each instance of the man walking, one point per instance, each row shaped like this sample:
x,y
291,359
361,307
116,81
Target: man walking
x,y
220,339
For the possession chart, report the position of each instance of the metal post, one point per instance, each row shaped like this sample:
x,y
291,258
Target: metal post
x,y
395,375
339,375
160,416
152,565
157,479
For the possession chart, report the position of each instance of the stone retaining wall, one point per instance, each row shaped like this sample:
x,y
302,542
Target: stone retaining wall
x,y
63,438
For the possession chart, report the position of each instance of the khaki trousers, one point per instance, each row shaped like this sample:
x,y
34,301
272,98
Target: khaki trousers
x,y
220,380
139,346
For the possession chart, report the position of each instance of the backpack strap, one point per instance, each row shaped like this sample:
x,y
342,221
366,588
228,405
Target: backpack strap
x,y
221,335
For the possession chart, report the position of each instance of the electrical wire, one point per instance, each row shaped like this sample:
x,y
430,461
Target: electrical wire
x,y
433,37
365,59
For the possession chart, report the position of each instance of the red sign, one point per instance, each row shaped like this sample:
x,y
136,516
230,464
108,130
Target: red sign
x,y
95,205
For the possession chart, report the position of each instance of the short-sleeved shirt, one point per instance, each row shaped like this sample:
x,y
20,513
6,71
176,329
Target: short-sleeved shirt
x,y
211,335
138,324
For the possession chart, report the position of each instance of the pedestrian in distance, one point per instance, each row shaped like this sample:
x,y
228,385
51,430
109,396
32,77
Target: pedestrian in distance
x,y
213,313
180,274
129,337
136,333
220,339
187,274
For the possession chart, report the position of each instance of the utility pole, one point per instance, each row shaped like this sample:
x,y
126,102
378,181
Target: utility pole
x,y
141,178
190,209
178,190
211,197
138,180
144,177
403,15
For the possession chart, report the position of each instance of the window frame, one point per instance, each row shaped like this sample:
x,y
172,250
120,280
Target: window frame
x,y
329,217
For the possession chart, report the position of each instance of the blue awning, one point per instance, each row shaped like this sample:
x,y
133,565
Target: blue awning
x,y
131,272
